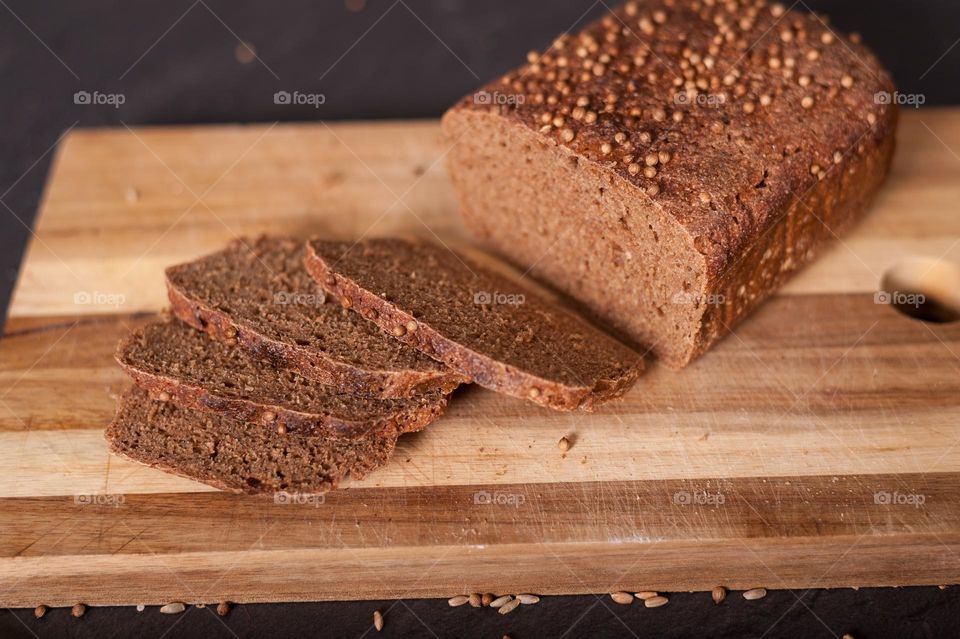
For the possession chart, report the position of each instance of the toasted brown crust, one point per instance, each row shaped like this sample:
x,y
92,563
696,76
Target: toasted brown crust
x,y
479,367
754,134
348,378
413,418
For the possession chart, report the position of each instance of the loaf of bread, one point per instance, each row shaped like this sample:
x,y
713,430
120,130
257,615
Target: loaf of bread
x,y
671,165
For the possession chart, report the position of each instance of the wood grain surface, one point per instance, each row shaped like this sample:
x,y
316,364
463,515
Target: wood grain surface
x,y
818,446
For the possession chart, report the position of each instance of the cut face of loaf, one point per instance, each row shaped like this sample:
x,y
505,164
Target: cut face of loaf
x,y
233,455
476,321
173,360
670,166
257,295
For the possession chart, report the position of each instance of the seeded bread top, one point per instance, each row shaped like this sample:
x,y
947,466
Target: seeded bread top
x,y
722,112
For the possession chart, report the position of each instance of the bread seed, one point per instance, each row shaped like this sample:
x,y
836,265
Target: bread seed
x,y
40,611
346,302
755,593
564,444
486,599
163,396
459,600
268,416
647,594
378,620
281,429
718,594
509,607
528,599
399,331
475,600
173,608
499,601
411,326
78,610
656,602
533,393
223,608
622,597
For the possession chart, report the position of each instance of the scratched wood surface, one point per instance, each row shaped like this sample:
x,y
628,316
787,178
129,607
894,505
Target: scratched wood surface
x,y
817,447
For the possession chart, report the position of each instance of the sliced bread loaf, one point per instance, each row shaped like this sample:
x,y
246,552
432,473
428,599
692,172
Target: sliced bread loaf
x,y
174,361
232,455
476,321
674,163
258,295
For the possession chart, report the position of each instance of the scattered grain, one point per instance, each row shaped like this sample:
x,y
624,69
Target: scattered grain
x,y
459,600
647,594
78,610
378,620
499,601
718,594
173,608
621,597
509,607
564,444
475,600
528,599
656,602
755,593
486,598
40,611
223,608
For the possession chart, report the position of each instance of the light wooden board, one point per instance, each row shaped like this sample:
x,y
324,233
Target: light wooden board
x,y
820,405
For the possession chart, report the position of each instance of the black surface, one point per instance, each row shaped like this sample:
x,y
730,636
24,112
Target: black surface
x,y
175,62
905,613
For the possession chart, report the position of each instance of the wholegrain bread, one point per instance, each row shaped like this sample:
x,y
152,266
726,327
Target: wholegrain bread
x,y
476,321
171,359
259,296
236,456
675,162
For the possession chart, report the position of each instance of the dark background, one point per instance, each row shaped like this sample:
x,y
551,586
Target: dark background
x,y
178,62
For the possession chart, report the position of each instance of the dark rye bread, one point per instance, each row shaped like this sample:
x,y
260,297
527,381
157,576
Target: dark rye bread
x,y
235,456
477,322
675,162
172,360
258,295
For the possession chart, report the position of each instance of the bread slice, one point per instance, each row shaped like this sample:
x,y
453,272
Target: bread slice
x,y
477,322
232,455
259,296
172,360
674,163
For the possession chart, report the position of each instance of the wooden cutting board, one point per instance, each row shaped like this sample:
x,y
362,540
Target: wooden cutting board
x,y
819,446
